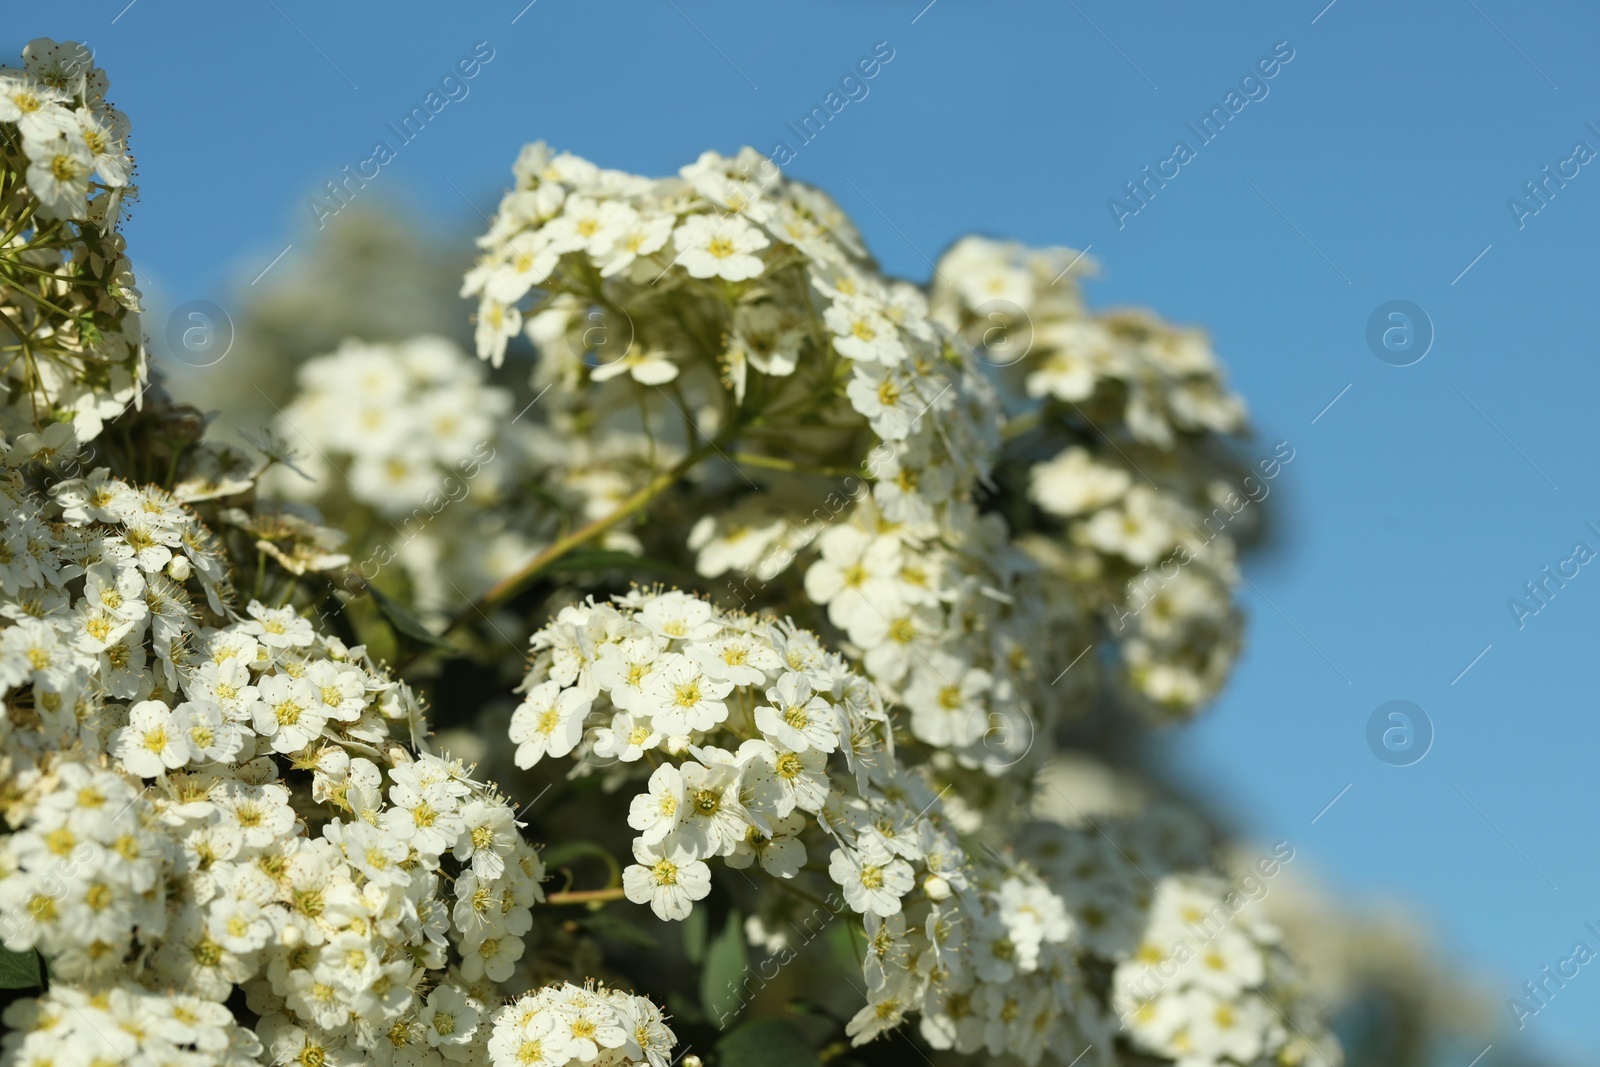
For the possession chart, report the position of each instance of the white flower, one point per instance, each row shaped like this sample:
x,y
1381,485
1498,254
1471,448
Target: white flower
x,y
679,617
863,333
1224,1028
914,633
880,1015
59,440
681,697
668,882
373,850
1226,964
640,236
743,659
151,742
288,711
34,107
647,366
498,322
586,1022
493,957
798,719
588,225
209,735
626,739
657,812
780,854
225,684
548,722
103,133
1136,530
949,701
888,398
527,260
341,689
622,667
713,817
873,881
719,248
488,833
449,1019
278,627
857,577
799,778
1072,483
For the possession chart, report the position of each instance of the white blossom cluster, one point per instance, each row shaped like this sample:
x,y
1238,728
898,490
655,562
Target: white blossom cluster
x,y
1156,380
409,442
1197,988
397,423
125,1023
207,808
745,305
780,279
1162,574
768,749
228,836
1198,974
567,1024
68,308
953,622
56,104
1154,559
790,315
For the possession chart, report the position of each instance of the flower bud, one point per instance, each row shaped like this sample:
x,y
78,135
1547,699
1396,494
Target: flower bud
x,y
936,888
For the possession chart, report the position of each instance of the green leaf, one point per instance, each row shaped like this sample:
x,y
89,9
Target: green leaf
x,y
19,970
404,622
608,924
722,980
765,1043
696,931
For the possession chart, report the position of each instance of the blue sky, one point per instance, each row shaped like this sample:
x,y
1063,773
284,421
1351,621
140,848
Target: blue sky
x,y
1378,166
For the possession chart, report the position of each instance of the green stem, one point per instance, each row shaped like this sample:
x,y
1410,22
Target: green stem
x,y
514,583
755,459
586,896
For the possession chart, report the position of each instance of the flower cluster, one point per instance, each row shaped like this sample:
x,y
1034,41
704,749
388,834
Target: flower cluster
x,y
1156,380
125,1023
565,1024
1118,451
408,443
767,749
99,603
400,424
670,676
1197,988
210,800
56,105
837,427
786,304
752,298
956,624
68,309
229,835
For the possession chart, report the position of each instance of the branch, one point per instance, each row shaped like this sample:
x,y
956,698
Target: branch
x,y
514,583
586,896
